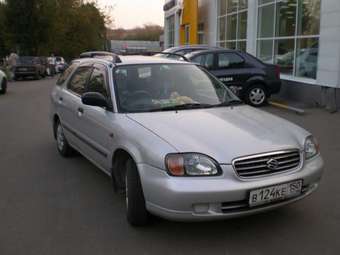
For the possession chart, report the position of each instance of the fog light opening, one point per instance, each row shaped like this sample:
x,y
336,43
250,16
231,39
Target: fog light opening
x,y
201,208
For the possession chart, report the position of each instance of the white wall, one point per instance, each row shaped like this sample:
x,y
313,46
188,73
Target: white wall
x,y
329,52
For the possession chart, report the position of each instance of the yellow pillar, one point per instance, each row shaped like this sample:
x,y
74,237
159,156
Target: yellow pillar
x,y
189,21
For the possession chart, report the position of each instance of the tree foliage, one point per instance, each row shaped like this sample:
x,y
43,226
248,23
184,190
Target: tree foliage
x,y
42,27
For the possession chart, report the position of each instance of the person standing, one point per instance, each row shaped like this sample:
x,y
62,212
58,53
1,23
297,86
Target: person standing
x,y
12,63
52,65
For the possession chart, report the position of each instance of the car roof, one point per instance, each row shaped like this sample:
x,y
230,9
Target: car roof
x,y
195,53
90,54
184,47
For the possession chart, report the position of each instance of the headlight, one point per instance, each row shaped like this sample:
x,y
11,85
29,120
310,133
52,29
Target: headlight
x,y
311,147
191,164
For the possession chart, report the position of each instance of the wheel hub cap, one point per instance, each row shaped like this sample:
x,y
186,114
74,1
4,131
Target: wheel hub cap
x,y
257,96
60,138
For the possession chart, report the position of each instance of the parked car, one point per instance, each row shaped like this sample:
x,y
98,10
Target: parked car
x,y
3,83
177,52
251,79
30,67
177,142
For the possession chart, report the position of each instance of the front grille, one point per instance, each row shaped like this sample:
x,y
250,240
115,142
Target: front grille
x,y
267,163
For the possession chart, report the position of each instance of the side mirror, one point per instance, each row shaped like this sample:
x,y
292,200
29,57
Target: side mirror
x,y
94,99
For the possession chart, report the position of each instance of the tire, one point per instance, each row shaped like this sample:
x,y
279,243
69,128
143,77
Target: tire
x,y
37,76
63,146
3,87
256,95
137,215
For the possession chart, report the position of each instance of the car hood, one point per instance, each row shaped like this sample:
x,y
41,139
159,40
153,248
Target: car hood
x,y
223,133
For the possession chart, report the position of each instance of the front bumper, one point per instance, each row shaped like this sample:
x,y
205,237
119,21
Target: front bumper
x,y
226,196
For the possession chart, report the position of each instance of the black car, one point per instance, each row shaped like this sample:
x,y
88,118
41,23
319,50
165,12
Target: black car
x,y
251,79
30,67
177,52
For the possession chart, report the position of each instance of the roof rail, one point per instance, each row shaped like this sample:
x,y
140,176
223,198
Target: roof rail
x,y
109,56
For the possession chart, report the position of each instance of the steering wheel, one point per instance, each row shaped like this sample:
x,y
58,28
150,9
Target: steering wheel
x,y
139,99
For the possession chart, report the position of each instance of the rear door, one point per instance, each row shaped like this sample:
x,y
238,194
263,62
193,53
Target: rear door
x,y
70,105
231,69
96,122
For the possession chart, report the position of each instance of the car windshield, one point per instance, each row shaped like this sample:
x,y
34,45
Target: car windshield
x,y
26,60
164,87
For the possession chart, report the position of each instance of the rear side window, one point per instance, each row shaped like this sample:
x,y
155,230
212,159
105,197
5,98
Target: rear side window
x,y
226,60
79,79
206,60
97,82
66,74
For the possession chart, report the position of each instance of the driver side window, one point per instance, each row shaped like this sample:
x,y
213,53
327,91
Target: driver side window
x,y
97,82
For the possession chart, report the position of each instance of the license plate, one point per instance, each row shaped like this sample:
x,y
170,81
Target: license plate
x,y
275,193
23,69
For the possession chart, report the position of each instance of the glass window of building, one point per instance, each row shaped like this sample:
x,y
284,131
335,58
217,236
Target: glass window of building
x,y
200,33
171,31
288,35
232,22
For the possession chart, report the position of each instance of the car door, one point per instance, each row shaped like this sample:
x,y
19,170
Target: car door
x,y
70,106
231,69
96,122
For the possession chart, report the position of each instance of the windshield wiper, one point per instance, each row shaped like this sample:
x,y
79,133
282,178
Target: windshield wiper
x,y
183,107
230,103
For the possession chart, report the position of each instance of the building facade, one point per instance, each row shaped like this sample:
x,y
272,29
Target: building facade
x,y
301,36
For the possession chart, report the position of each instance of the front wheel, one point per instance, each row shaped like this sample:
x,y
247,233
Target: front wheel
x,y
256,95
137,215
63,146
3,89
37,76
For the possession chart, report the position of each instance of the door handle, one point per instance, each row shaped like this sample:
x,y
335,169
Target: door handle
x,y
80,112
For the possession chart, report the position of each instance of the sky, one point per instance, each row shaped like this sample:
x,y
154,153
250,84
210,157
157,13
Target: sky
x,y
132,13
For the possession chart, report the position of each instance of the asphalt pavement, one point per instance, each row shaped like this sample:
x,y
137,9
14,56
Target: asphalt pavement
x,y
52,205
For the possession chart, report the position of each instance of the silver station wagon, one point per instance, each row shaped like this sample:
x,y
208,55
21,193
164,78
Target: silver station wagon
x,y
179,144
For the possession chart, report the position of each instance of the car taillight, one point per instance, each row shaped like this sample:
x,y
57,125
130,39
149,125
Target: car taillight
x,y
277,72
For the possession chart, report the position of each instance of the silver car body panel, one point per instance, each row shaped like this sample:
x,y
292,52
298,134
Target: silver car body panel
x,y
2,77
224,134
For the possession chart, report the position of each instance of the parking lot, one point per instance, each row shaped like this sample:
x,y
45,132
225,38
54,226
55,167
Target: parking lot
x,y
52,205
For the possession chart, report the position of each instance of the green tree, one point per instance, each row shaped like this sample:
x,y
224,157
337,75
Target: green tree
x,y
79,27
42,27
4,44
29,24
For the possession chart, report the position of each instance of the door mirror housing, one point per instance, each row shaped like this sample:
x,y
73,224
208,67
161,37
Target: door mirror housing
x,y
94,99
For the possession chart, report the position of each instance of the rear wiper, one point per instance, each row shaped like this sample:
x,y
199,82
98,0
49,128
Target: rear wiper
x,y
182,107
230,103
